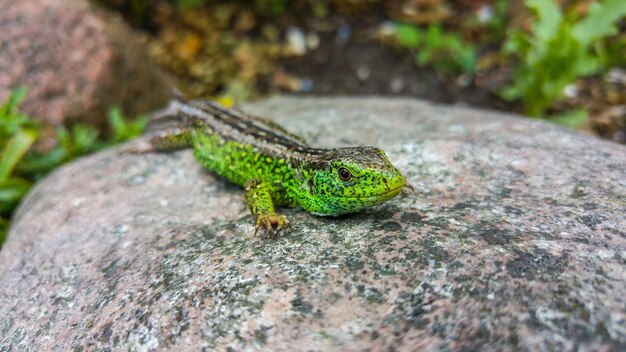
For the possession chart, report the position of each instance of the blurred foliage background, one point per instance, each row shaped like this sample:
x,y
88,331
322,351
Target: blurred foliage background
x,y
560,60
564,61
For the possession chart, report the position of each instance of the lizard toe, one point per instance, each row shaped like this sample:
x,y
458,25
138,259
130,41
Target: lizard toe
x,y
272,223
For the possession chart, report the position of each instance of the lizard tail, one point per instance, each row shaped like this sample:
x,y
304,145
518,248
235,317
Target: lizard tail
x,y
168,128
178,95
169,117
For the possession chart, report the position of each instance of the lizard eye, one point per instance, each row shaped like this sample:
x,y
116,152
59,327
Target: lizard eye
x,y
344,174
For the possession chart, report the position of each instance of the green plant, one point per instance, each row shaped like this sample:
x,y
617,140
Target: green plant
x,y
571,119
445,52
558,50
123,129
21,165
497,23
17,134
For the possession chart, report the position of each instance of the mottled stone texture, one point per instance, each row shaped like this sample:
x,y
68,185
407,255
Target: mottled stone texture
x,y
514,240
75,60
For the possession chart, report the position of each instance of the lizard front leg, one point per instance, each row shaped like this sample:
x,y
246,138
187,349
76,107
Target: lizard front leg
x,y
259,200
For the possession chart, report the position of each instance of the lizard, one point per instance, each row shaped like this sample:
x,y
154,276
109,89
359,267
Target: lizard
x,y
274,166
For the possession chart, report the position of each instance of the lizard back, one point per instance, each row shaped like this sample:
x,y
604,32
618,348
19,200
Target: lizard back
x,y
237,146
231,125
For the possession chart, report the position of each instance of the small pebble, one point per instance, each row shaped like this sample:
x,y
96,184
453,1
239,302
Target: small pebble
x,y
396,85
306,85
485,13
312,41
363,73
571,91
343,34
296,40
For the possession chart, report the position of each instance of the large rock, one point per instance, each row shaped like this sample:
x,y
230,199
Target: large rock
x,y
75,60
514,240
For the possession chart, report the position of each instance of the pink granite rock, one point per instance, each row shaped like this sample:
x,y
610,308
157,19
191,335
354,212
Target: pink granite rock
x,y
514,241
75,60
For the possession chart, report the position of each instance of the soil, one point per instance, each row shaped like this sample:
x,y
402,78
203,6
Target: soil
x,y
363,66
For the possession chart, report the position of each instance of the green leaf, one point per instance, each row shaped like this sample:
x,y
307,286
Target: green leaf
x,y
600,21
10,119
510,93
15,149
517,43
571,119
467,58
82,140
116,121
123,130
407,35
587,65
549,19
445,52
13,189
37,164
423,57
4,230
11,192
15,99
434,35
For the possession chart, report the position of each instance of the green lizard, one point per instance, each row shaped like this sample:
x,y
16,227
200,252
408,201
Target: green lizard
x,y
275,166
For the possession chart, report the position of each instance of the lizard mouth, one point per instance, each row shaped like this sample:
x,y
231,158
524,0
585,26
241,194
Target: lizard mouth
x,y
355,204
393,191
388,194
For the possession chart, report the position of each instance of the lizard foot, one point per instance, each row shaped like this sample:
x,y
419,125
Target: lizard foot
x,y
273,223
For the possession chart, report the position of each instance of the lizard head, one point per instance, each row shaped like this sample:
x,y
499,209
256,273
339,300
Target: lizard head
x,y
350,179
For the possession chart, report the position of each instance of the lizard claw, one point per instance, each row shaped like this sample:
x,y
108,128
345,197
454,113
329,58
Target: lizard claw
x,y
273,223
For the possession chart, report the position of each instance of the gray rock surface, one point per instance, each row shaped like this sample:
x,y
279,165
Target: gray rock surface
x,y
75,60
514,240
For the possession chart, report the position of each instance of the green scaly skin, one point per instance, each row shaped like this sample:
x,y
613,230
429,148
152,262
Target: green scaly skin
x,y
277,168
